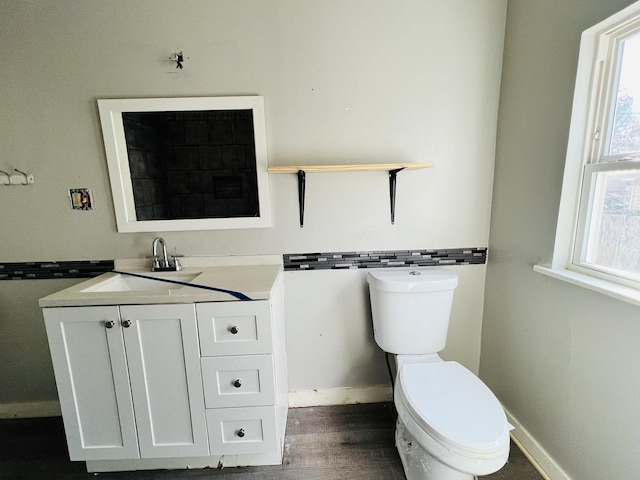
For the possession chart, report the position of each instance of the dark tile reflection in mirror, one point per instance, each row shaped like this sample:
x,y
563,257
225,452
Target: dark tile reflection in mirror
x,y
192,164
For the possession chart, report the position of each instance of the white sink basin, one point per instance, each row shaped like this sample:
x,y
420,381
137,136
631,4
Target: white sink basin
x,y
129,283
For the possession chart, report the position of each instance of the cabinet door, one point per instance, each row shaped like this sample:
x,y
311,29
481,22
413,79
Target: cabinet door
x,y
93,383
164,365
235,328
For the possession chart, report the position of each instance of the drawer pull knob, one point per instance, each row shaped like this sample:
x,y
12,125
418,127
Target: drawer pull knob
x,y
126,323
237,383
233,330
109,324
240,433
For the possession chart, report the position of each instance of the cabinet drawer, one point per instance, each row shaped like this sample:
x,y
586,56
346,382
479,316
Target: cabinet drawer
x,y
234,328
238,381
242,430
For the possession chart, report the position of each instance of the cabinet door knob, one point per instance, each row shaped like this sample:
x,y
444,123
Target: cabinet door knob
x,y
237,383
126,323
240,433
109,324
234,330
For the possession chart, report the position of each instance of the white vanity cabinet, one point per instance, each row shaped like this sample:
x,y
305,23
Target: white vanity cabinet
x,y
171,379
128,380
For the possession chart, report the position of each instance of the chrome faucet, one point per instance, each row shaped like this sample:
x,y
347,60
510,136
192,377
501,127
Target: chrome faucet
x,y
161,263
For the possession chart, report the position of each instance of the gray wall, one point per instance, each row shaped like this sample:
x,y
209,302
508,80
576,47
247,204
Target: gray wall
x,y
565,361
344,81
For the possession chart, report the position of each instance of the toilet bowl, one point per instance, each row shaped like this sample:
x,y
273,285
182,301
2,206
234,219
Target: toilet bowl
x,y
450,425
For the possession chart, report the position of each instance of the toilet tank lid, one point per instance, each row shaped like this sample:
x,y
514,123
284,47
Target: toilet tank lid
x,y
416,280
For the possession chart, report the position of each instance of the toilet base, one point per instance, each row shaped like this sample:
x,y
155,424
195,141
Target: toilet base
x,y
418,464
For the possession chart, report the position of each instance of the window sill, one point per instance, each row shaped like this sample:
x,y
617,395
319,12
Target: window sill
x,y
620,292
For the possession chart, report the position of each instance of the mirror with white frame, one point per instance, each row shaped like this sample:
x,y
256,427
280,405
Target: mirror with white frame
x,y
195,163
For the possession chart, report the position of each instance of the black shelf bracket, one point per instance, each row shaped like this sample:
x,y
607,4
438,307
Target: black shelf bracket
x,y
302,181
392,191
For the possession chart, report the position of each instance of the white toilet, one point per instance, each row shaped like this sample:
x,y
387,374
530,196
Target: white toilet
x,y
450,425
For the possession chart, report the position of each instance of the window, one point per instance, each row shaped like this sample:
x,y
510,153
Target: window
x,y
598,233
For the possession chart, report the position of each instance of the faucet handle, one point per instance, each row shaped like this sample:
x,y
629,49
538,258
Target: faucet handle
x,y
156,260
176,263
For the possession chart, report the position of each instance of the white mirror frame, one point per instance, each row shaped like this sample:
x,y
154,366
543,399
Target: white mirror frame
x,y
118,160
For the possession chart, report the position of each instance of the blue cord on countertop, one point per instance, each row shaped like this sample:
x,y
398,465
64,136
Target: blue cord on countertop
x,y
238,295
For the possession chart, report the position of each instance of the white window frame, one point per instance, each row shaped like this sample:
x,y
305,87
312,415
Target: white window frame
x,y
590,121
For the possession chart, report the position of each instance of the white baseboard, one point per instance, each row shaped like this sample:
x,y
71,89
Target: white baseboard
x,y
30,409
537,455
304,398
340,396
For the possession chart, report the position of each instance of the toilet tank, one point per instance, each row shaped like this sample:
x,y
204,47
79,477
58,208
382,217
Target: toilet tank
x,y
411,309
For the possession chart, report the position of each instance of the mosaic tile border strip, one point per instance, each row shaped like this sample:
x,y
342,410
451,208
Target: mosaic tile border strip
x,y
384,259
292,262
50,270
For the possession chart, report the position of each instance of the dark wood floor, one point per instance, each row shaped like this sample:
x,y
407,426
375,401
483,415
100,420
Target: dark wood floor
x,y
322,443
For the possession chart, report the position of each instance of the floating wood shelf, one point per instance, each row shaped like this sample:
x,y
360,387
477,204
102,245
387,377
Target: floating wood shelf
x,y
347,168
392,168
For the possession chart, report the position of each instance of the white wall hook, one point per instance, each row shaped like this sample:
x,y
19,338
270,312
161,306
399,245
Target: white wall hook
x,y
22,178
6,180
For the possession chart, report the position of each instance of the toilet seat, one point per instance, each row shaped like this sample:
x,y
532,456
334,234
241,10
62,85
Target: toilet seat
x,y
454,407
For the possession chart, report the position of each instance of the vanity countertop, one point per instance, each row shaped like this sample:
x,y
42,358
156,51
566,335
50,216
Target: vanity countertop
x,y
253,277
